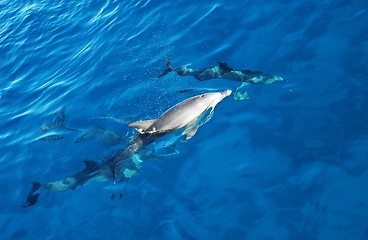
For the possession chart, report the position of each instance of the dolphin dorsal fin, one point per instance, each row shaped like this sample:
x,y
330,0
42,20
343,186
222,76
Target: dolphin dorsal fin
x,y
224,67
90,165
142,126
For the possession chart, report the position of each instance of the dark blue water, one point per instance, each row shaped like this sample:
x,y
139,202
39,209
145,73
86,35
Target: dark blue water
x,y
289,163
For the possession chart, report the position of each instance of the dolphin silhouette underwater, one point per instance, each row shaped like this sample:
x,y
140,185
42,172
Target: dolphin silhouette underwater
x,y
222,70
54,130
120,164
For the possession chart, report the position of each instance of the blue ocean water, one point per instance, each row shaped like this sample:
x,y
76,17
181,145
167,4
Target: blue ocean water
x,y
289,163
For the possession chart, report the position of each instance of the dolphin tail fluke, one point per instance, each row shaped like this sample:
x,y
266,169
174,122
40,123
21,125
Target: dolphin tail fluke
x,y
32,195
168,68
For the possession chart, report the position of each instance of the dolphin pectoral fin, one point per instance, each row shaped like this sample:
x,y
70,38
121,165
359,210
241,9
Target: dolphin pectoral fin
x,y
190,131
192,128
142,126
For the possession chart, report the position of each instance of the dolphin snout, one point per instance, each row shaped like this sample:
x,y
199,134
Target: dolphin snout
x,y
226,93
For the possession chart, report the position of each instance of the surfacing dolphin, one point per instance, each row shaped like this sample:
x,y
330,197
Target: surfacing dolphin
x,y
222,70
184,114
122,164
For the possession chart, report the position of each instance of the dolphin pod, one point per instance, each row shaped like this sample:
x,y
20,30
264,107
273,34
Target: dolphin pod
x,y
122,164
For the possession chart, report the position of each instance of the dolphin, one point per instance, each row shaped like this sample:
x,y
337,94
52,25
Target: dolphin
x,y
122,163
222,70
186,114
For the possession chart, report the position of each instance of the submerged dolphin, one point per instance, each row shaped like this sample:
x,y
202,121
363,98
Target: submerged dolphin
x,y
121,163
222,70
184,114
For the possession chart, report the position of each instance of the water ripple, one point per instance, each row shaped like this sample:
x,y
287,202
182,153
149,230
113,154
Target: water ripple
x,y
202,16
